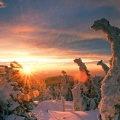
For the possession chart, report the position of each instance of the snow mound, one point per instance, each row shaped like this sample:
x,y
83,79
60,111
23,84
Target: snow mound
x,y
52,110
55,105
90,115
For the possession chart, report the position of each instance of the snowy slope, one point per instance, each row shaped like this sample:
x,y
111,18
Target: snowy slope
x,y
52,110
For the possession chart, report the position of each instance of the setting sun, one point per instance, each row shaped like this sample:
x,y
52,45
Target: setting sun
x,y
27,69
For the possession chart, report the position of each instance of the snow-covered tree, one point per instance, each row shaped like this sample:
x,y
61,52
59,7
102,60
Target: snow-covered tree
x,y
96,83
104,66
16,98
80,102
86,94
110,89
65,87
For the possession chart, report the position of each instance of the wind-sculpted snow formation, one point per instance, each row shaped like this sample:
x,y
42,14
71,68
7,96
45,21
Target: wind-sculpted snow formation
x,y
80,102
110,89
83,70
104,66
85,93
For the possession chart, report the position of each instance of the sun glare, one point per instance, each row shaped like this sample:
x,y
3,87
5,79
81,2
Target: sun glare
x,y
27,69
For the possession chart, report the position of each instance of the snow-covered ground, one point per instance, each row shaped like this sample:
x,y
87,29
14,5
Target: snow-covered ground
x,y
52,110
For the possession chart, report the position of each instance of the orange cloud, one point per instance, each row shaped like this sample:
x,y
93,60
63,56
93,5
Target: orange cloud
x,y
24,29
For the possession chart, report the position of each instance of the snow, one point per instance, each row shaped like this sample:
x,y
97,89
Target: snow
x,y
14,105
52,110
14,117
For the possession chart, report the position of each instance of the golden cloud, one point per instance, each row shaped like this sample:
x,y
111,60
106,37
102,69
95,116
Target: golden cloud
x,y
24,29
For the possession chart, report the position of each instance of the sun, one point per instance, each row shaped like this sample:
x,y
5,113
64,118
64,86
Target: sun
x,y
27,69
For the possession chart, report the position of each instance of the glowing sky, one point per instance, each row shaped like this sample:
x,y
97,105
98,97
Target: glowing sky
x,y
50,34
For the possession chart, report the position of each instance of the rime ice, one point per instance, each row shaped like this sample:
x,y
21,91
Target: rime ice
x,y
110,88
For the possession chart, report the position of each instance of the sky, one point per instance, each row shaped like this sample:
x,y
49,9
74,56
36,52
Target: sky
x,y
49,34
